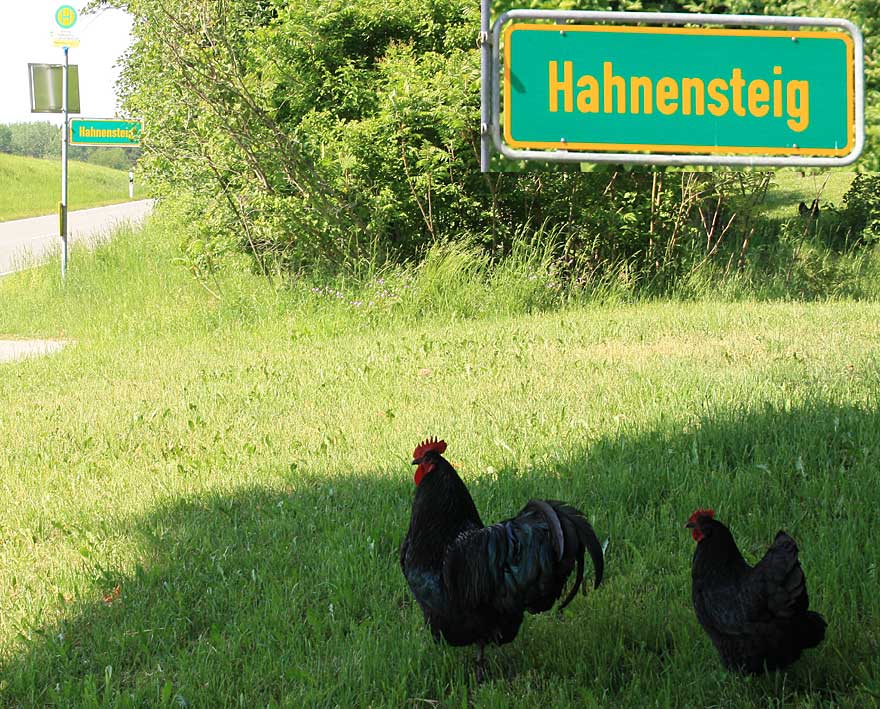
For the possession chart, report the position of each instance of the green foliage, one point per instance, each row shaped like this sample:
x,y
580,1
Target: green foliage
x,y
115,158
313,122
35,140
315,134
5,138
863,206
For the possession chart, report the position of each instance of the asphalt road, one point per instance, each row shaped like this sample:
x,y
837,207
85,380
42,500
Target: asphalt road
x,y
24,242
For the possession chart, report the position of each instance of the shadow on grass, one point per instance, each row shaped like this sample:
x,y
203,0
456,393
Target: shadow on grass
x,y
258,591
293,595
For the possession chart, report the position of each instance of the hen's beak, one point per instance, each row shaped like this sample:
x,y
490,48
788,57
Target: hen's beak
x,y
690,525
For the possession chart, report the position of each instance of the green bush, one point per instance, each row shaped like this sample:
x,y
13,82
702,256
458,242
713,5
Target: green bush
x,y
862,211
320,133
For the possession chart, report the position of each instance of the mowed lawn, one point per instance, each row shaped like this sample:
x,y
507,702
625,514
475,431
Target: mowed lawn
x,y
203,500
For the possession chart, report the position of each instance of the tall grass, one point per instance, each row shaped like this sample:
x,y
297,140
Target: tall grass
x,y
454,280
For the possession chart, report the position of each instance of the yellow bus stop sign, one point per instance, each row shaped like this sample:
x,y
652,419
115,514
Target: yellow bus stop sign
x,y
65,16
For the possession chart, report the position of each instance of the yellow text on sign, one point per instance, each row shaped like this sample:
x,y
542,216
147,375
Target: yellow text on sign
x,y
689,95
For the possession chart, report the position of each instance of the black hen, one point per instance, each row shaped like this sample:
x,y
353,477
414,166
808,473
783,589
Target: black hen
x,y
474,582
757,617
812,211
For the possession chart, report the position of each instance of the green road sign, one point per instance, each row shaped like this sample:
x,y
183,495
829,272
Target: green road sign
x,y
109,132
678,90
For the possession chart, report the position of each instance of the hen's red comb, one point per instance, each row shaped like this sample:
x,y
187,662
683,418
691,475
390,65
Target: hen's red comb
x,y
429,444
701,513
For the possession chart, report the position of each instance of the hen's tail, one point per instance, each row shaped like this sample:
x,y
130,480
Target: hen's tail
x,y
811,629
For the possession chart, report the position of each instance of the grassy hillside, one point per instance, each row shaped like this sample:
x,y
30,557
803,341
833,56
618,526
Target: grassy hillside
x,y
204,496
30,187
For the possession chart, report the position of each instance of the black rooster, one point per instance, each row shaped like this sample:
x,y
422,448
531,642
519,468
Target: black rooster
x,y
756,616
474,582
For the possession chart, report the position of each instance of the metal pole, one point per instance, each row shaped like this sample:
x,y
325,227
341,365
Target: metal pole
x,y
485,85
64,136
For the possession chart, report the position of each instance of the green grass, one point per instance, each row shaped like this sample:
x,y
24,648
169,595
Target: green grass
x,y
30,187
239,470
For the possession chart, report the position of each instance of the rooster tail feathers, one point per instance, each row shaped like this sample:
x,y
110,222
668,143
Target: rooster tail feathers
x,y
524,562
573,535
555,525
588,541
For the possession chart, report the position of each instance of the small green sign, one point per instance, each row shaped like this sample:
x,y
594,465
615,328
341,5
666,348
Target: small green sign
x,y
109,132
678,90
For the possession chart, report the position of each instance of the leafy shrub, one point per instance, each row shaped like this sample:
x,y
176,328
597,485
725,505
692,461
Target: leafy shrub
x,y
314,134
862,211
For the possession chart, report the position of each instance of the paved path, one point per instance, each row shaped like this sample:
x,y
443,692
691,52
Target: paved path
x,y
17,349
25,241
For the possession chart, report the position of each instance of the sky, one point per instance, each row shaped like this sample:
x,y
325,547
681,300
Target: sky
x,y
26,28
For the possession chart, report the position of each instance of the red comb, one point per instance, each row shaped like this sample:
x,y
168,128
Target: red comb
x,y
429,444
701,513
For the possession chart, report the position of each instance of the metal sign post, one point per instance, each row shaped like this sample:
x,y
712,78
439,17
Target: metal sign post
x,y
63,206
65,18
485,86
55,89
44,85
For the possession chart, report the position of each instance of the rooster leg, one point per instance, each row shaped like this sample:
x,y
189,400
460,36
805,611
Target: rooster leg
x,y
481,668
